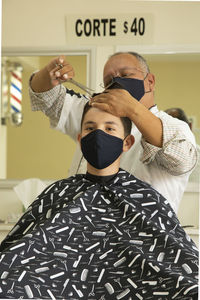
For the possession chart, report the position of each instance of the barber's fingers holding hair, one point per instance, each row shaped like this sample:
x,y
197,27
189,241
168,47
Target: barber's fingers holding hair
x,y
108,96
105,101
115,101
101,97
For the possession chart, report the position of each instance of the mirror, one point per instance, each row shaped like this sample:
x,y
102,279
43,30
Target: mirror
x,y
177,77
35,150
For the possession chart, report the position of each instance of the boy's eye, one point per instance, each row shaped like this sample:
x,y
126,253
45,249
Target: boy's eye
x,y
110,129
89,128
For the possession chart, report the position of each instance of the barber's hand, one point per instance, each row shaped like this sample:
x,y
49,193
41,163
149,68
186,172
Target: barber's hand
x,y
59,70
115,101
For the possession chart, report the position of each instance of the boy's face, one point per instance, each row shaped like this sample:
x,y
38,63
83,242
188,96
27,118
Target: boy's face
x,y
97,119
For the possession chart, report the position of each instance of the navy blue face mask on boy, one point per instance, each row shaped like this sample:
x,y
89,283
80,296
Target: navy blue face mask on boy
x,y
134,86
101,149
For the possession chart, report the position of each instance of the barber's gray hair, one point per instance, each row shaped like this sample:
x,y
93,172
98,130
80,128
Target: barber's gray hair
x,y
139,57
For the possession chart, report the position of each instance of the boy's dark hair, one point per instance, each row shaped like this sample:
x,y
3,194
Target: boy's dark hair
x,y
127,124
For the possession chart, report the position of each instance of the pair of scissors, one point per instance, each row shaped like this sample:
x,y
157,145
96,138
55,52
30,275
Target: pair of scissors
x,y
81,86
78,84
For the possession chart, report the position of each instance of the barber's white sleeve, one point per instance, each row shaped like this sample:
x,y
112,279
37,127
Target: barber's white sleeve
x,y
178,154
70,119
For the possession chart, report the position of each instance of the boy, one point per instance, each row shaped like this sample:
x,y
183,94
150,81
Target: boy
x,y
103,235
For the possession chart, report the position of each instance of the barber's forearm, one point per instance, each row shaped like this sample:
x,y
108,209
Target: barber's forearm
x,y
41,81
148,124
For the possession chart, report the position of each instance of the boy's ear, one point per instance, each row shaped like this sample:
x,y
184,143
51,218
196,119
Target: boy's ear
x,y
79,138
128,142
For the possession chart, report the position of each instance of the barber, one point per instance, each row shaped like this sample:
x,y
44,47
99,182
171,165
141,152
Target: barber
x,y
164,152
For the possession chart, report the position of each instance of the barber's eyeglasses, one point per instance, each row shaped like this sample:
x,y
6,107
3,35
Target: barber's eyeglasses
x,y
133,73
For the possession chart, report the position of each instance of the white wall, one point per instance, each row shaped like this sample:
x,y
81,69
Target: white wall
x,y
42,23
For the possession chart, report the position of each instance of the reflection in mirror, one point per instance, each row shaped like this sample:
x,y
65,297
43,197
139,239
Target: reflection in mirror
x,y
177,82
33,150
11,90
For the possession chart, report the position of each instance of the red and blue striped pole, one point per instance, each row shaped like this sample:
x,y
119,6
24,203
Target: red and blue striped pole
x,y
16,93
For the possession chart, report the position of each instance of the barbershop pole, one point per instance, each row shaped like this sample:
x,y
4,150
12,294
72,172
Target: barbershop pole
x,y
16,94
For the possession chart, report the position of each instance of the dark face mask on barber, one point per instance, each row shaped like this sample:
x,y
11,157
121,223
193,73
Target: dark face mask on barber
x,y
101,149
134,86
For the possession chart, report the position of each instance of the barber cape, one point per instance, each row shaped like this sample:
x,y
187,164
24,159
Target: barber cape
x,y
84,238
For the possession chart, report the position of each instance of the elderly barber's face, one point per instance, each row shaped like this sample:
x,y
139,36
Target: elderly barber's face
x,y
122,65
126,65
97,119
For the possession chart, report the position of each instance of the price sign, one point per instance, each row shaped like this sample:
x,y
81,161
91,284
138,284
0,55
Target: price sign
x,y
137,27
110,30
